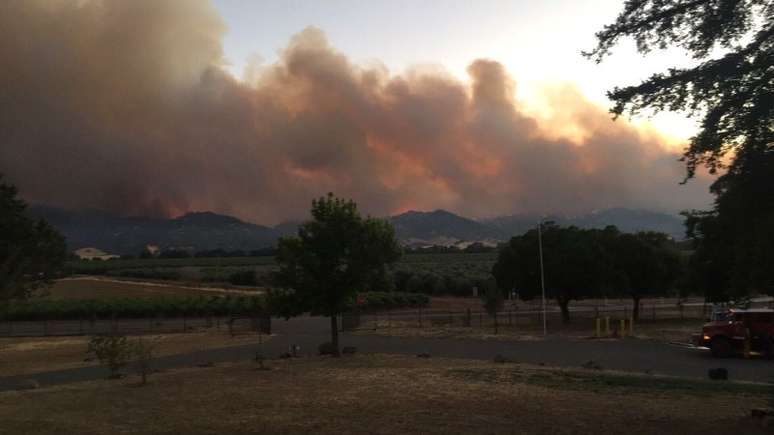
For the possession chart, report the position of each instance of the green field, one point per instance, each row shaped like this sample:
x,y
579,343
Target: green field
x,y
98,267
435,274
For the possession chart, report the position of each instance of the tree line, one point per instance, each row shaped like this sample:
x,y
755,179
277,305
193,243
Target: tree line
x,y
588,263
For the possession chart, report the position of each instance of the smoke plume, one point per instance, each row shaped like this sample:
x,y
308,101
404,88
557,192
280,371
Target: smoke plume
x,y
126,106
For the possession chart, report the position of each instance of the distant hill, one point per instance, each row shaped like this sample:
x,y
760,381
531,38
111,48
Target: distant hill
x,y
440,226
206,230
129,235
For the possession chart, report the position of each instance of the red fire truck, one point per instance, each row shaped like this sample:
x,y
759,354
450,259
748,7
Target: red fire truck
x,y
738,331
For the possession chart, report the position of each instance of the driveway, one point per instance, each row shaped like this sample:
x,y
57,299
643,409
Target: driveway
x,y
639,356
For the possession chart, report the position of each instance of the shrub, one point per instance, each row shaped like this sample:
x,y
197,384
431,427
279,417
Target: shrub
x,y
143,351
326,349
244,277
113,351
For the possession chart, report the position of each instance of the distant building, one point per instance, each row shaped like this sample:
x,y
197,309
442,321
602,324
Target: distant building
x,y
153,250
93,254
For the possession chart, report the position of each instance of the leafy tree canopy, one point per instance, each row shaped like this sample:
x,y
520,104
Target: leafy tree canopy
x,y
583,263
733,90
31,252
575,265
335,255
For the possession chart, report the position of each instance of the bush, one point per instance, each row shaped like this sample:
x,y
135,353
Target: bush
x,y
113,351
69,309
244,277
389,300
326,349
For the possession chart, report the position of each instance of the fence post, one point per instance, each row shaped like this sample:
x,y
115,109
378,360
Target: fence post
x,y
468,319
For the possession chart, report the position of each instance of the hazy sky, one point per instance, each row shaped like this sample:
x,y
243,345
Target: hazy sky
x,y
538,42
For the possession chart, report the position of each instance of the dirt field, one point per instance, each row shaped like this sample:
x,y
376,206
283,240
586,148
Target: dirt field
x,y
385,394
100,288
32,355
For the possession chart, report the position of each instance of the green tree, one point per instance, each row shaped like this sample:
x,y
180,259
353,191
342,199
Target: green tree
x,y
575,265
31,251
333,257
493,301
732,89
642,264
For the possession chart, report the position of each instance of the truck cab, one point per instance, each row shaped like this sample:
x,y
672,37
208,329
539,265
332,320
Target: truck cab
x,y
735,331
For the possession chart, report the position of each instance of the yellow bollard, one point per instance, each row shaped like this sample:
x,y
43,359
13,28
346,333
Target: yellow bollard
x,y
623,328
747,348
607,326
598,323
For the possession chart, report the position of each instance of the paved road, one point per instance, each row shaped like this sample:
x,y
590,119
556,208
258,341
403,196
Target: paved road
x,y
627,355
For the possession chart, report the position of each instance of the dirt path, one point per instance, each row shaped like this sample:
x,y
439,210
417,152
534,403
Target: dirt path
x,y
161,285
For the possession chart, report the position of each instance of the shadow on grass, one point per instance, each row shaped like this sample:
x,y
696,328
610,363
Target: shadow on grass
x,y
605,382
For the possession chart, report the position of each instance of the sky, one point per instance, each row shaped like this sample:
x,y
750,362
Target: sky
x,y
252,109
538,42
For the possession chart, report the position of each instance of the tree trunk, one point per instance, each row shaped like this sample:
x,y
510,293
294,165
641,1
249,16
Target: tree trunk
x,y
564,306
636,309
335,334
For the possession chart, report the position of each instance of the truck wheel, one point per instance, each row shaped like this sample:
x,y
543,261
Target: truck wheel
x,y
721,347
767,347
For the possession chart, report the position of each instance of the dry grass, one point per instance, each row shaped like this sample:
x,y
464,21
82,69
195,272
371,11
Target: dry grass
x,y
462,303
377,394
39,354
661,330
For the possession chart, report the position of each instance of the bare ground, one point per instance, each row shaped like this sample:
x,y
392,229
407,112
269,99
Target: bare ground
x,y
385,394
94,287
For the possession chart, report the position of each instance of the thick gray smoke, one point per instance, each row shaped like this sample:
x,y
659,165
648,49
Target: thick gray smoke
x,y
125,106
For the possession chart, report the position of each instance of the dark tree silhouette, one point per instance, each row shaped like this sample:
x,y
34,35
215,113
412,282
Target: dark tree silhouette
x,y
732,90
31,252
641,264
575,265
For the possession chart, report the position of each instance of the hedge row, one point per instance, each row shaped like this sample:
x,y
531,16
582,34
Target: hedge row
x,y
71,309
133,308
387,300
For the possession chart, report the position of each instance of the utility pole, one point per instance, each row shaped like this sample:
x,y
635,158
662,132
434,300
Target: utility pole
x,y
542,276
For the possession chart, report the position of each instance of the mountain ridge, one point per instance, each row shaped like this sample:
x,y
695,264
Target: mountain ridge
x,y
206,230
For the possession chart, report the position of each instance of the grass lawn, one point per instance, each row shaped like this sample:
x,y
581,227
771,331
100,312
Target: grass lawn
x,y
385,395
660,330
